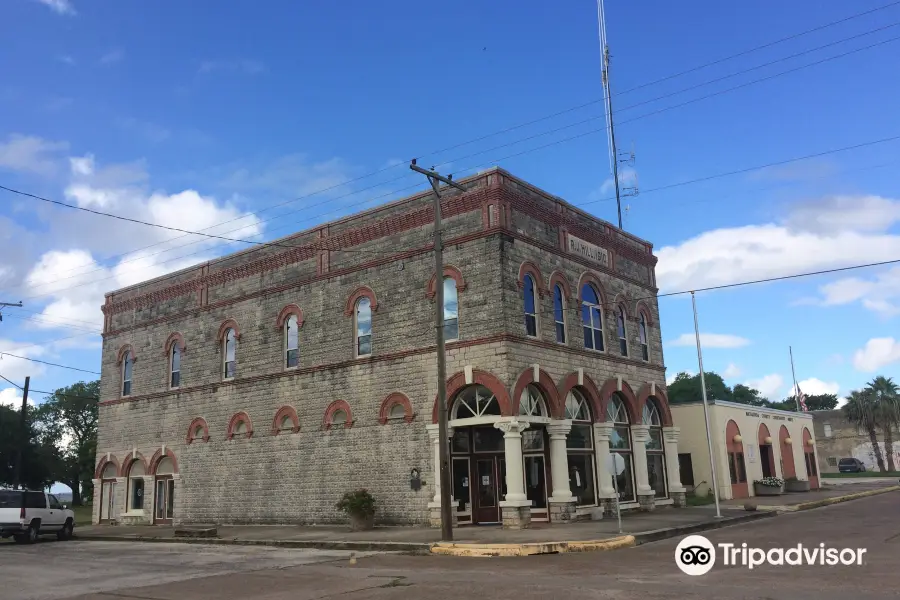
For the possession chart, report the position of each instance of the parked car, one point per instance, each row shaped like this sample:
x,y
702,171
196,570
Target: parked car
x,y
851,465
27,514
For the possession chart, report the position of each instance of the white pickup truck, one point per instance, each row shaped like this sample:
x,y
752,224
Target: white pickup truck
x,y
26,514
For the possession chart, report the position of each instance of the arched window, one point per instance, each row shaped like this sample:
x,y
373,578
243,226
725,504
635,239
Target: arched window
x,y
656,455
291,342
475,401
531,402
229,354
559,313
620,449
645,347
363,327
338,418
620,329
530,307
175,366
398,411
451,309
591,318
127,367
580,449
135,492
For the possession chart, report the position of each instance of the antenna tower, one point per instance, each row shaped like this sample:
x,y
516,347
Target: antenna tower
x,y
607,96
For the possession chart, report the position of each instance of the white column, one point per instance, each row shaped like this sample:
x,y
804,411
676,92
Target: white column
x,y
515,468
436,475
673,469
559,464
640,435
602,434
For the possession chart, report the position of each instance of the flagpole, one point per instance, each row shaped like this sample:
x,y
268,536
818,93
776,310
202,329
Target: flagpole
x,y
712,460
794,376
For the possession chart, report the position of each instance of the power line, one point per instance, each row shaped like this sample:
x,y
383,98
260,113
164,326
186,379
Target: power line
x,y
44,362
50,393
520,125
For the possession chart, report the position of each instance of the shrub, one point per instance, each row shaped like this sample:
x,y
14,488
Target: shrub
x,y
770,482
357,503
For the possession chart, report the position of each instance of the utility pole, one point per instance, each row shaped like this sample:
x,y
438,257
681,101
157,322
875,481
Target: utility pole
x,y
435,180
23,434
607,95
13,304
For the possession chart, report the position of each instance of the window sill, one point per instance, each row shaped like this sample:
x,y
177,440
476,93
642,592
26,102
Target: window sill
x,y
135,512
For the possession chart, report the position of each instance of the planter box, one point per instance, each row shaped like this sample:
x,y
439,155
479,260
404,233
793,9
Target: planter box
x,y
766,490
796,486
362,522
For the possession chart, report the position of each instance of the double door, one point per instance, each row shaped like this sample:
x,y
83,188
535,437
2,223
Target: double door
x,y
107,500
164,501
479,484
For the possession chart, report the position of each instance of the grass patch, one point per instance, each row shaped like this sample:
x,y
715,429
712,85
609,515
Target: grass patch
x,y
83,514
694,500
864,474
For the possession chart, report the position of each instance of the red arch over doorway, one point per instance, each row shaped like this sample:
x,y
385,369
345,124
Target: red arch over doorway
x,y
588,388
544,382
736,462
662,401
631,402
458,381
787,453
764,438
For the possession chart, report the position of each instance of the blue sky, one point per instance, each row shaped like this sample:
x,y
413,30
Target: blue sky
x,y
191,114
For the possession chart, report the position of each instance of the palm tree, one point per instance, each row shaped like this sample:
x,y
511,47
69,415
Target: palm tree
x,y
860,410
887,412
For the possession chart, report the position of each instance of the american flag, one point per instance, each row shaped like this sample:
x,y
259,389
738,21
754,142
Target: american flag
x,y
802,398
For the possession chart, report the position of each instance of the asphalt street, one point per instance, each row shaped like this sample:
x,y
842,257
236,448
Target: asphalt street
x,y
142,571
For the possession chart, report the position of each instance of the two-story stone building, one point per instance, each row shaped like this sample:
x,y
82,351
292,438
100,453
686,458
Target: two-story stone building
x,y
259,387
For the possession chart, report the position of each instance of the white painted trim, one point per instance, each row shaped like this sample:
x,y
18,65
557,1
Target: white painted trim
x,y
746,407
470,378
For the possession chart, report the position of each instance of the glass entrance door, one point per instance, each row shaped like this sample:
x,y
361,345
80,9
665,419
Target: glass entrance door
x,y
107,500
487,489
536,485
164,501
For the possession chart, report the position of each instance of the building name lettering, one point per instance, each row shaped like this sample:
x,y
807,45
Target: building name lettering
x,y
751,413
587,250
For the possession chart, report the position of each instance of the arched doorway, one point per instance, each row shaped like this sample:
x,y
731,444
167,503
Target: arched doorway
x,y
766,452
164,496
620,449
736,467
787,453
656,450
581,460
108,493
809,454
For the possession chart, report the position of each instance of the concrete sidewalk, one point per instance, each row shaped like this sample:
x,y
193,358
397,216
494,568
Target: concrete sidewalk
x,y
828,494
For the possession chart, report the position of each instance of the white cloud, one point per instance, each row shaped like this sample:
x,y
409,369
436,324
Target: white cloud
x,y
731,371
768,385
880,294
30,154
11,397
243,66
17,369
876,354
814,386
83,165
627,178
804,242
710,340
60,7
112,57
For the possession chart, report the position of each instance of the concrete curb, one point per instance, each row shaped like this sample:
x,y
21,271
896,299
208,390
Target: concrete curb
x,y
828,501
407,547
530,549
646,537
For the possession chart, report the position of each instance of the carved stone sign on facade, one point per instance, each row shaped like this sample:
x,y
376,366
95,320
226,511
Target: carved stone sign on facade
x,y
587,250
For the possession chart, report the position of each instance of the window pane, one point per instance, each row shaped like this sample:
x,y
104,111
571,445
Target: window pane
x,y
579,437
535,481
581,478
598,339
619,439
170,497
643,330
741,468
488,439
588,338
176,379
176,358
731,468
561,333
363,317
621,476
645,351
293,358
451,329
293,333
365,345
137,494
596,317
529,295
656,474
655,441
128,363
586,315
557,303
589,295
460,441
229,345
623,347
126,388
620,323
229,369
531,325
533,439
451,302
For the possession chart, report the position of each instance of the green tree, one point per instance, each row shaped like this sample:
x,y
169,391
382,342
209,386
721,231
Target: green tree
x,y
68,420
747,395
686,388
813,402
886,412
37,459
860,410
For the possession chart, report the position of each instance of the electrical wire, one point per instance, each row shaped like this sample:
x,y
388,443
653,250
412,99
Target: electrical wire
x,y
49,393
44,362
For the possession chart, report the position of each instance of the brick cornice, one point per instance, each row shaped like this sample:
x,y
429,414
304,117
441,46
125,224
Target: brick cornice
x,y
399,355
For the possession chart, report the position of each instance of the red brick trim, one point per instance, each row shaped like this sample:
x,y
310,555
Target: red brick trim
x,y
365,360
190,433
158,456
662,402
130,460
545,384
529,267
290,309
239,417
225,326
174,338
593,279
557,277
631,403
449,271
121,354
102,465
643,309
333,408
285,411
360,292
389,402
458,381
588,388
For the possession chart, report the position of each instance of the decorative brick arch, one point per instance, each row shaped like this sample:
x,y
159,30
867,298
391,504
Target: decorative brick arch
x,y
107,459
132,458
174,338
631,402
239,417
360,292
198,421
158,456
290,309
458,381
388,403
123,351
544,383
285,411
625,302
225,326
642,309
661,399
593,279
787,452
449,271
529,268
557,277
586,387
333,408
